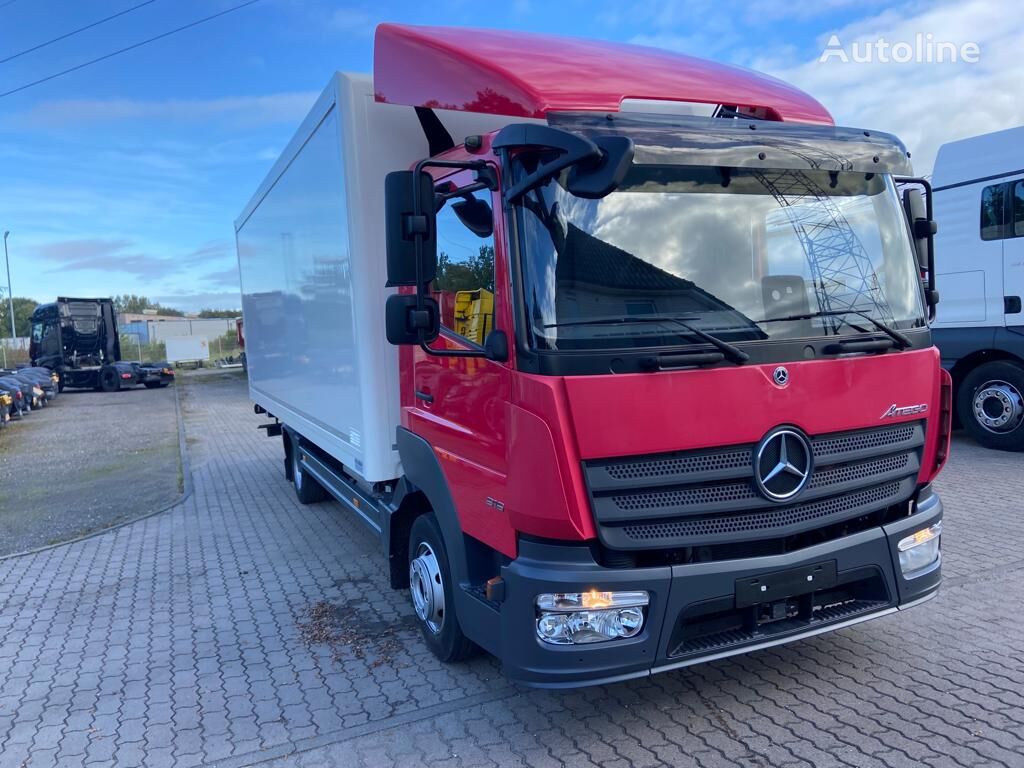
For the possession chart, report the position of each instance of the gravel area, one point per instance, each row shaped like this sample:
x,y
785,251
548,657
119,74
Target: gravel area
x,y
85,462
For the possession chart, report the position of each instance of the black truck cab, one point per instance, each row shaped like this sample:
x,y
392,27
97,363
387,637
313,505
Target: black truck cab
x,y
78,339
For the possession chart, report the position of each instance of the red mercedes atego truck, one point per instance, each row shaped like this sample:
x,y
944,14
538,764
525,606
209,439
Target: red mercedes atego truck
x,y
624,355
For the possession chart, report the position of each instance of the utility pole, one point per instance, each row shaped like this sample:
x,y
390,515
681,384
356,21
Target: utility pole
x,y
10,295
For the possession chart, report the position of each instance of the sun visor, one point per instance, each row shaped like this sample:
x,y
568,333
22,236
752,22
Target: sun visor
x,y
738,143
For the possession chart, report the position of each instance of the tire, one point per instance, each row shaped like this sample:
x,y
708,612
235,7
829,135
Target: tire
x,y
307,489
110,379
431,590
990,403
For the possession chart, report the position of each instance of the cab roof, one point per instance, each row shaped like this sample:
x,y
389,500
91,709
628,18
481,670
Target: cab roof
x,y
529,75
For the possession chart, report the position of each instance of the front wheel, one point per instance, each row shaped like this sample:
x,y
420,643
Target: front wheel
x,y
991,405
432,591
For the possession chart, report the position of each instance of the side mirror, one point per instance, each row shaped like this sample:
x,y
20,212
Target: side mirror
x,y
476,215
404,322
496,346
410,230
923,228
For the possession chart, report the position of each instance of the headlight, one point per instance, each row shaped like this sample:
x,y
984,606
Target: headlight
x,y
568,618
919,550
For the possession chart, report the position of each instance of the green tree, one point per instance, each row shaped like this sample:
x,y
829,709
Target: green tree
x,y
209,313
129,302
23,309
470,275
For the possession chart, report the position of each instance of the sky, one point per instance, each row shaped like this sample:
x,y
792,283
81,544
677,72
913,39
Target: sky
x,y
126,176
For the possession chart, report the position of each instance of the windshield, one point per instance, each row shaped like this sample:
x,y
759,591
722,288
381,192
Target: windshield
x,y
728,250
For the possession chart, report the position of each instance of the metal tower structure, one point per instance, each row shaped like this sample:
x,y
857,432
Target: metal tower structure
x,y
843,275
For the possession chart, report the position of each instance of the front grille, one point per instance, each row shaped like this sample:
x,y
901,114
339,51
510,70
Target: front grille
x,y
689,499
710,530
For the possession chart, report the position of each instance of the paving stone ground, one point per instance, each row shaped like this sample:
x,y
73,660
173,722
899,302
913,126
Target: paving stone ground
x,y
178,640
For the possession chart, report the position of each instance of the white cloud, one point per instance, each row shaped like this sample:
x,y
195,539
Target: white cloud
x,y
194,302
760,11
926,105
243,110
353,21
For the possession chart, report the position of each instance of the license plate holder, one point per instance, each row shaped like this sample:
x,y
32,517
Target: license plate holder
x,y
779,585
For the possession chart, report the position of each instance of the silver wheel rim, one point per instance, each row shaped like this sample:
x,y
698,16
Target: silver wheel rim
x,y
427,587
998,407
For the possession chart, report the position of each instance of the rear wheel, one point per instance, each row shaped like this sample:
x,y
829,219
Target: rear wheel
x,y
307,489
991,405
110,379
431,589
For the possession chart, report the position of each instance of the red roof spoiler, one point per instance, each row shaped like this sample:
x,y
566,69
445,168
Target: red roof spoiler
x,y
529,75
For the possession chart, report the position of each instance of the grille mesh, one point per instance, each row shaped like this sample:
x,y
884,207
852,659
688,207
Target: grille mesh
x,y
850,472
859,441
762,520
680,465
686,497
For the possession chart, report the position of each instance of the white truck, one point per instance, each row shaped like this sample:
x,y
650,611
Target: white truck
x,y
979,327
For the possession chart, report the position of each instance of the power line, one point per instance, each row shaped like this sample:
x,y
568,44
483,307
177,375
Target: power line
x,y
73,33
118,52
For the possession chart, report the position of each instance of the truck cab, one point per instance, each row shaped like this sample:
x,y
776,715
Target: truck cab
x,y
666,389
979,197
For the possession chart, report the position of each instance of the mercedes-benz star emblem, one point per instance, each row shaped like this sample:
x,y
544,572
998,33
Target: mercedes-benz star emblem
x,y
780,376
782,464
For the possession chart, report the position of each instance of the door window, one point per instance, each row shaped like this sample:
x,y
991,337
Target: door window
x,y
993,212
1018,209
464,286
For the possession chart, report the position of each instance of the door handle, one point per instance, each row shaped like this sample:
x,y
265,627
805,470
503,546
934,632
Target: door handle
x,y
424,396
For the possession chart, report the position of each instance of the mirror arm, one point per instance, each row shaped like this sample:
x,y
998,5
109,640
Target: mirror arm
x,y
465,191
450,352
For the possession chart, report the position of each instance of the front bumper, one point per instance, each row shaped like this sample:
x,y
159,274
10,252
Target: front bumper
x,y
693,614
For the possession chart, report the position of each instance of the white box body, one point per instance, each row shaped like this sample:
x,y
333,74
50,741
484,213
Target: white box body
x,y
311,257
187,349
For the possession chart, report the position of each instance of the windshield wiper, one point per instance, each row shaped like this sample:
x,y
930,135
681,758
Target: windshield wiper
x,y
901,340
732,353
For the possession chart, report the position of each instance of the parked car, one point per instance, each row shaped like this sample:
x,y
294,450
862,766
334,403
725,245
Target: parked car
x,y
45,374
31,389
155,375
14,388
37,378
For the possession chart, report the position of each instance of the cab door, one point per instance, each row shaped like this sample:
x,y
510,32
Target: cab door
x,y
1013,259
461,403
